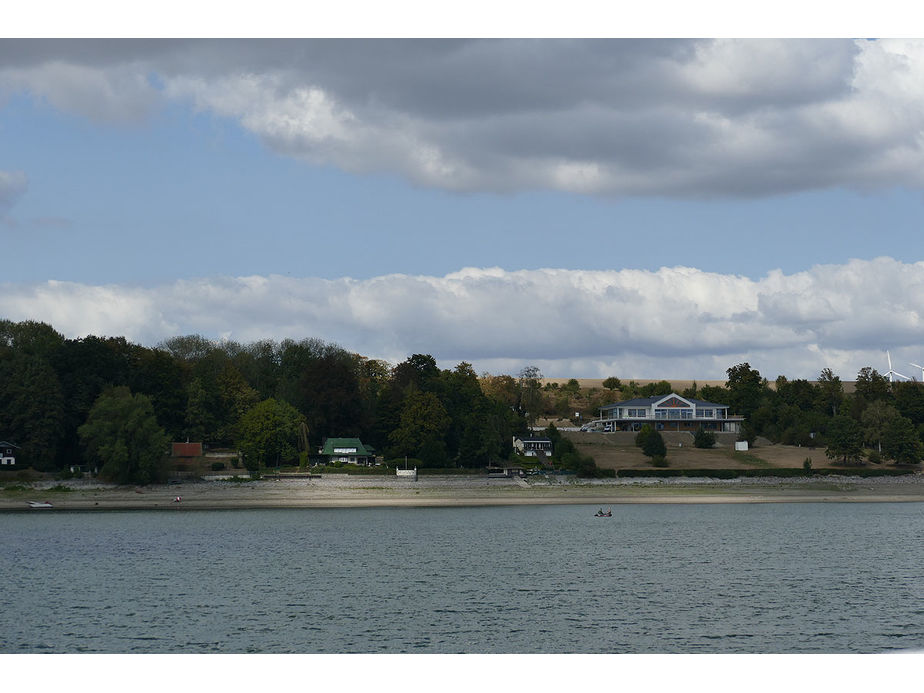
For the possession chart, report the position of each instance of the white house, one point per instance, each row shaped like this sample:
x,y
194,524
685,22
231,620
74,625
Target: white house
x,y
669,413
7,454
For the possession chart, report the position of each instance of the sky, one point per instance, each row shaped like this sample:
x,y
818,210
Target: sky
x,y
645,208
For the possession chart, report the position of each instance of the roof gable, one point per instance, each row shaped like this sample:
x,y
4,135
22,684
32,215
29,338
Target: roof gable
x,y
658,400
331,444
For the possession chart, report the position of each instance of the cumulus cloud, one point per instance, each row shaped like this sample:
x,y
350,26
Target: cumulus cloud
x,y
700,118
677,322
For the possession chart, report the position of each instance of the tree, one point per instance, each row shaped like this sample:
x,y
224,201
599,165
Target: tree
x,y
642,435
268,434
424,423
900,442
612,383
530,395
122,434
31,408
845,439
654,445
876,417
661,387
831,390
704,438
870,385
745,389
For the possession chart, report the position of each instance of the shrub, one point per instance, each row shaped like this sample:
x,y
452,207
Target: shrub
x,y
704,438
654,445
807,464
642,435
874,457
217,466
659,461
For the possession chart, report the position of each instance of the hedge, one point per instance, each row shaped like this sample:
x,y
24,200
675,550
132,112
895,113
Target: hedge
x,y
778,472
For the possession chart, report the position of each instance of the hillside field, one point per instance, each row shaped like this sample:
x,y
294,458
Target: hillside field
x,y
618,451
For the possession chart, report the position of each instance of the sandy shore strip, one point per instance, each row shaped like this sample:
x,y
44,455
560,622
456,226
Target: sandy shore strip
x,y
344,491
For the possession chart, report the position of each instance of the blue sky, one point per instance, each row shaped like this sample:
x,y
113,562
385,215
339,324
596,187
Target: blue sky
x,y
634,208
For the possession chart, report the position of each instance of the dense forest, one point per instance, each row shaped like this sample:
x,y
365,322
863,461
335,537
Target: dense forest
x,y
222,392
63,401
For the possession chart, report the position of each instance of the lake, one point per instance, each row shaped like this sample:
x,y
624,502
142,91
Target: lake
x,y
755,578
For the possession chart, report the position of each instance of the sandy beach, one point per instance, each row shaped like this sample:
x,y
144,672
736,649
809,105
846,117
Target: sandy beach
x,y
435,491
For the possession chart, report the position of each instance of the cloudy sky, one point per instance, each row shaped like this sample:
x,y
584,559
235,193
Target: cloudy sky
x,y
640,208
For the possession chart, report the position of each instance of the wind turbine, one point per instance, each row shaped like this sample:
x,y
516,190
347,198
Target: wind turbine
x,y
893,373
922,370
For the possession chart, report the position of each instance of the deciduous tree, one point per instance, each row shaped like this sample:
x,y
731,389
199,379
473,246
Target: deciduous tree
x,y
122,434
268,434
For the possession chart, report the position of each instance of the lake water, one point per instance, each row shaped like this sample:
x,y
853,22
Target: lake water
x,y
788,578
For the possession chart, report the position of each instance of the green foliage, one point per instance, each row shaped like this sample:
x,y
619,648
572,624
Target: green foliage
x,y
704,438
875,419
122,434
871,386
807,464
421,430
32,407
862,472
268,434
748,432
745,389
653,445
844,440
642,435
217,466
901,442
662,387
612,383
831,391
659,461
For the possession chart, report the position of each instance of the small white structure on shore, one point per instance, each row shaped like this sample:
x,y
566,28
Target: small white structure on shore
x,y
407,473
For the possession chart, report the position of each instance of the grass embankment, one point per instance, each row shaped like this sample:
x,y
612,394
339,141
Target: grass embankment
x,y
612,451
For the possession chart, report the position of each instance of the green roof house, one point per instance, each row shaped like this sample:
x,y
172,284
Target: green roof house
x,y
348,450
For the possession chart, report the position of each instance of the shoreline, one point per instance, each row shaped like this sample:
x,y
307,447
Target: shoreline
x,y
343,491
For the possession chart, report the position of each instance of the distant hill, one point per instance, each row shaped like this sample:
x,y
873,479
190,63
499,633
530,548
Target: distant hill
x,y
677,385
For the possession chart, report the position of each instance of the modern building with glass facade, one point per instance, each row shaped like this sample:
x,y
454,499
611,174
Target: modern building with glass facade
x,y
669,413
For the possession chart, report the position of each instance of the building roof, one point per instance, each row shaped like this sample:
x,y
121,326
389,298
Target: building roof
x,y
6,444
649,401
331,443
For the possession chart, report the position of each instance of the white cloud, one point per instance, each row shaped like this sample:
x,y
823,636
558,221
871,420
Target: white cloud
x,y
677,322
116,94
685,118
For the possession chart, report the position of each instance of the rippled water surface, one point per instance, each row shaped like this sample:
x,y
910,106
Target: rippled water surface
x,y
836,577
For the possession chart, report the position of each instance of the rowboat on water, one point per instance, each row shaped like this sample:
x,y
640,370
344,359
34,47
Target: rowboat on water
x,y
600,513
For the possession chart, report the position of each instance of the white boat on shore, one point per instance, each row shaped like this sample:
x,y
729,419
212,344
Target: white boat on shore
x,y
39,505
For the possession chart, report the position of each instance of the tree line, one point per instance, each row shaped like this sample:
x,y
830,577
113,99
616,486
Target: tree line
x,y
228,394
879,420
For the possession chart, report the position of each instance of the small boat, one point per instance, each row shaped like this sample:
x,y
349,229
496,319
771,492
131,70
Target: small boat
x,y
600,513
39,505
